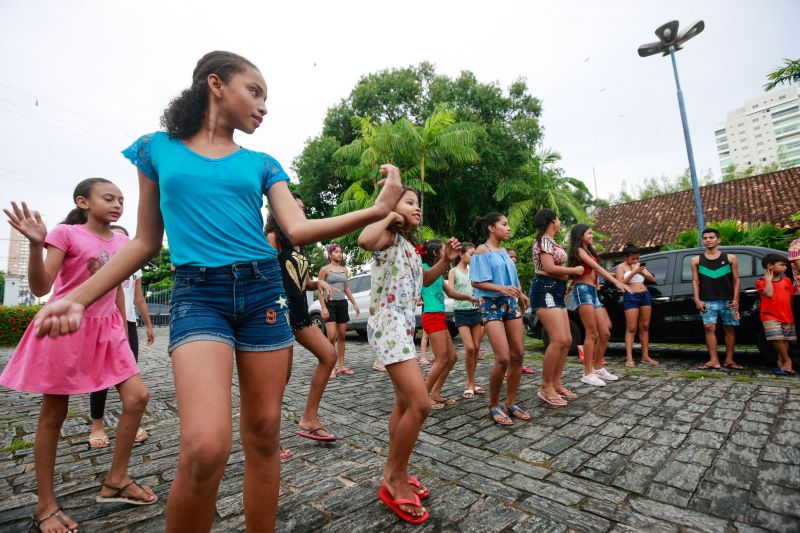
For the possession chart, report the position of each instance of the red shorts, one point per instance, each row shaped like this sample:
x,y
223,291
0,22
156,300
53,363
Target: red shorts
x,y
433,322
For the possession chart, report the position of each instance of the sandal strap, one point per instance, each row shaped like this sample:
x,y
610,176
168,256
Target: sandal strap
x,y
119,490
57,514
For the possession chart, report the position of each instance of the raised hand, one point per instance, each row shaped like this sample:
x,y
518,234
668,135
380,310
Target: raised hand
x,y
28,223
58,318
452,249
392,188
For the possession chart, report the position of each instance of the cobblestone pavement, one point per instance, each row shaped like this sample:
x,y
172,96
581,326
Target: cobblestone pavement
x,y
663,449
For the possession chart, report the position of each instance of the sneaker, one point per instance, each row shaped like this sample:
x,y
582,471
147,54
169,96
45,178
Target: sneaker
x,y
592,379
602,373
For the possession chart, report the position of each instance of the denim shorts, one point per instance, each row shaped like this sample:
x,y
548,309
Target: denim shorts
x,y
635,300
583,294
718,309
499,308
243,305
467,317
547,293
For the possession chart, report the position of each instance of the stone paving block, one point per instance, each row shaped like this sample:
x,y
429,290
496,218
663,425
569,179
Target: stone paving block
x,y
608,462
550,491
519,467
749,426
708,439
773,521
492,515
776,499
781,454
572,518
732,474
489,487
534,456
625,446
680,475
692,453
716,425
571,459
554,444
789,438
668,494
678,515
651,455
749,439
595,444
720,500
588,488
739,454
458,497
615,430
634,477
479,467
597,475
539,525
349,499
626,519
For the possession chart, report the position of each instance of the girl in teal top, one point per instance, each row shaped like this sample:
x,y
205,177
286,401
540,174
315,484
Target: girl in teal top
x,y
228,302
435,325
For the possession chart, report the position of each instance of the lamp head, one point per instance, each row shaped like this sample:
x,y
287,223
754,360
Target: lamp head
x,y
696,27
668,33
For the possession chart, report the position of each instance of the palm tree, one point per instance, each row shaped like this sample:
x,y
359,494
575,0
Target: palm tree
x,y
435,145
542,184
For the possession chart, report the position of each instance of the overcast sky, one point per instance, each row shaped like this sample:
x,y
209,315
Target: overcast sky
x,y
102,72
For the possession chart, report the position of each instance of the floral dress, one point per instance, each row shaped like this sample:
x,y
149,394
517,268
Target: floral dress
x,y
396,286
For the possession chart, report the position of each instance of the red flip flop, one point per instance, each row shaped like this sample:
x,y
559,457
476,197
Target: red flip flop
x,y
313,434
414,482
385,497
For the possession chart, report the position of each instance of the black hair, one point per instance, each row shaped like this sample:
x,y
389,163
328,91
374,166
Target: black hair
x,y
112,227
575,242
715,231
430,251
407,232
541,220
272,226
631,249
184,115
84,190
466,246
771,259
482,223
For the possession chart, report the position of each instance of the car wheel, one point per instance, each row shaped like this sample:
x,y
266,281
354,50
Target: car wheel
x,y
316,319
768,353
577,338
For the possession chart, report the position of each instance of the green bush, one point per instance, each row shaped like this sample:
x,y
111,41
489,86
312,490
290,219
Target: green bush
x,y
735,233
14,321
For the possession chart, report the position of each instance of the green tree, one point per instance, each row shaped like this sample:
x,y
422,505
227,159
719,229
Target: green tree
x,y
734,232
788,73
158,271
659,186
542,184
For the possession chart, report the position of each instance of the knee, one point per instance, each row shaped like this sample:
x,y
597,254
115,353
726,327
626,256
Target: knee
x,y
502,363
711,328
604,334
136,400
262,435
631,328
205,456
644,327
53,418
420,408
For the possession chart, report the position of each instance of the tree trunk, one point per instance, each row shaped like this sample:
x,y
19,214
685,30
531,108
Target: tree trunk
x,y
422,192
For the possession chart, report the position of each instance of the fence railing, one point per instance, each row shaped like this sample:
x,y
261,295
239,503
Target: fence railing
x,y
158,300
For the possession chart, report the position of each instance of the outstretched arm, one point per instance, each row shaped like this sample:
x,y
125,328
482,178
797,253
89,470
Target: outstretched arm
x,y
302,231
594,265
451,250
377,236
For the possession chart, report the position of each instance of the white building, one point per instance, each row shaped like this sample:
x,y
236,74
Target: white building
x,y
765,131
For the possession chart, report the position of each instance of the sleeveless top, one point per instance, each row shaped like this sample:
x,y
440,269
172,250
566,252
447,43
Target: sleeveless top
x,y
587,269
716,278
462,284
294,269
336,280
433,295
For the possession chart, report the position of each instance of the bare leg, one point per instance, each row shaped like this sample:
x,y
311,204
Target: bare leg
x,y
784,361
556,323
603,335
312,339
470,355
341,331
514,333
730,345
499,342
644,334
331,333
711,343
262,378
589,320
412,406
631,321
52,414
203,372
445,359
423,347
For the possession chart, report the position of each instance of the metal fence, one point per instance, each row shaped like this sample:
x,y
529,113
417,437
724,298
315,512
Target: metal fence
x,y
158,300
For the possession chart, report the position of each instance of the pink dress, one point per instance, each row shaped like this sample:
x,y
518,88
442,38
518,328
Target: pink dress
x,y
95,357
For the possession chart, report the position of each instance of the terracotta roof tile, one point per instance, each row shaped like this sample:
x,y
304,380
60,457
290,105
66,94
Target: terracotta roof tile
x,y
654,222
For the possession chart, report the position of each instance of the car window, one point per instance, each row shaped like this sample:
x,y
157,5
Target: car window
x,y
745,264
359,284
759,266
686,268
658,267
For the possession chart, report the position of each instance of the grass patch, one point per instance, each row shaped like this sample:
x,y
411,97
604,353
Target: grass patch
x,y
699,374
18,444
655,373
743,379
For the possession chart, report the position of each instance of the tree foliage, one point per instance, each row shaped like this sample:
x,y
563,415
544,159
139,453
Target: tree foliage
x,y
659,186
735,232
788,73
158,271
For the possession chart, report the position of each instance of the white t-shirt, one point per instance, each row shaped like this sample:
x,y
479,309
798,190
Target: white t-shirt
x,y
128,289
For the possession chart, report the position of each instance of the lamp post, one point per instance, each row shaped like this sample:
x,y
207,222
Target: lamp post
x,y
669,42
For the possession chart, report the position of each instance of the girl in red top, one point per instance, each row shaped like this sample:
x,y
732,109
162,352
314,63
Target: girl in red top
x,y
775,290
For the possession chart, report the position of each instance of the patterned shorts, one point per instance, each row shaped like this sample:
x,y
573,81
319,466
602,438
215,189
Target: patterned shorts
x,y
499,308
719,310
779,331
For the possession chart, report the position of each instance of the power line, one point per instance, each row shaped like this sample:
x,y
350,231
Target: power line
x,y
13,178
97,141
87,117
37,178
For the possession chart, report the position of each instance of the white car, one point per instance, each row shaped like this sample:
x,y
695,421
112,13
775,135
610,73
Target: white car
x,y
360,287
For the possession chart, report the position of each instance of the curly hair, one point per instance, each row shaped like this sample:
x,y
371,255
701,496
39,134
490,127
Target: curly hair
x,y
184,115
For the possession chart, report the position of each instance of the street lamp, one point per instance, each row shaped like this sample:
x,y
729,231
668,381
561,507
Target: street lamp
x,y
669,42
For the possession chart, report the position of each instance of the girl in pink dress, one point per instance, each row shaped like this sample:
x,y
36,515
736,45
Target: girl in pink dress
x,y
95,357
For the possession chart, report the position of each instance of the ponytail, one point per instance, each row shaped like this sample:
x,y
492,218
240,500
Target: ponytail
x,y
541,220
482,223
82,190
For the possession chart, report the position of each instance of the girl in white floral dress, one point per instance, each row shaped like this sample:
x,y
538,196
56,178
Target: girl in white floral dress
x,y
397,279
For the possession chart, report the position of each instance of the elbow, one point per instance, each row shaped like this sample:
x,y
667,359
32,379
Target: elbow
x,y
39,291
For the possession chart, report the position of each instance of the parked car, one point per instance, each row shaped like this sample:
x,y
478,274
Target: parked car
x,y
360,287
675,318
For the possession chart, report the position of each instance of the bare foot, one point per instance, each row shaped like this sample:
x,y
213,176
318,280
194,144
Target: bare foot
x,y
649,361
98,439
132,490
401,489
55,521
630,364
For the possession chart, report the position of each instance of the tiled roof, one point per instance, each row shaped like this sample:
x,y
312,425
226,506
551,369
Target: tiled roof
x,y
652,223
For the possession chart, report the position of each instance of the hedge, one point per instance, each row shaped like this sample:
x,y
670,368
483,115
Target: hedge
x,y
14,321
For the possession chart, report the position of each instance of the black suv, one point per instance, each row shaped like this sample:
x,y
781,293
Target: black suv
x,y
675,318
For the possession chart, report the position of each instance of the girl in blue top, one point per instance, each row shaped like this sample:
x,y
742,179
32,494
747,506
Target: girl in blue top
x,y
228,299
496,283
